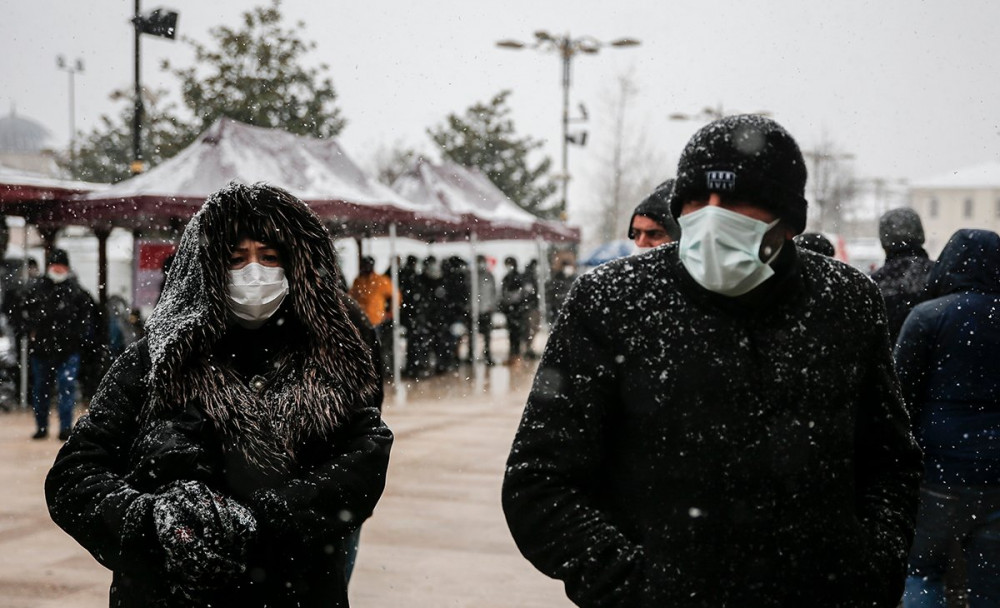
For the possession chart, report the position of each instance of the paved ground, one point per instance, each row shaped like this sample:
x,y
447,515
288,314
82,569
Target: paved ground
x,y
437,538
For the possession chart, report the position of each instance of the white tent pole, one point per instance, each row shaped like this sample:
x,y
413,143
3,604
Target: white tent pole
x,y
397,329
543,275
474,356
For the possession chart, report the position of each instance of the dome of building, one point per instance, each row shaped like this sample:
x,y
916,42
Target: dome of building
x,y
21,135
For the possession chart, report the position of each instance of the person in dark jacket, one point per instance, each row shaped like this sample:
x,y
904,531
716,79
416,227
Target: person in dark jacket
x,y
903,276
59,318
557,288
815,242
947,357
454,311
514,304
229,453
651,224
717,423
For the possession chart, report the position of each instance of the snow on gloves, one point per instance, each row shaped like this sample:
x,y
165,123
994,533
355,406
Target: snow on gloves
x,y
203,533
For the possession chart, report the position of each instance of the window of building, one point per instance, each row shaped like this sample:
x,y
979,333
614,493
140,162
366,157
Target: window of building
x,y
932,208
967,208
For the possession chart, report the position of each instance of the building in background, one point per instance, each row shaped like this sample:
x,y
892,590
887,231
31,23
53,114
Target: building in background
x,y
22,146
965,198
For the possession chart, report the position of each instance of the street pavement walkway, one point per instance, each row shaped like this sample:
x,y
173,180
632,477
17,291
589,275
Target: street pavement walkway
x,y
438,536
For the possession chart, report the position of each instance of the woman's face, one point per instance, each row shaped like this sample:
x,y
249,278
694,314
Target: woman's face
x,y
249,251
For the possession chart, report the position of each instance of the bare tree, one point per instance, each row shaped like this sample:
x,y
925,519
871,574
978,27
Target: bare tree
x,y
388,163
832,185
629,167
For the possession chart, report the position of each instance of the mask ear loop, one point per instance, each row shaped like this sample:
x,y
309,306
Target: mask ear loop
x,y
766,254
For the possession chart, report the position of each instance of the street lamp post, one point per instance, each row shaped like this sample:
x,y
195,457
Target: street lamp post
x,y
567,47
72,70
161,23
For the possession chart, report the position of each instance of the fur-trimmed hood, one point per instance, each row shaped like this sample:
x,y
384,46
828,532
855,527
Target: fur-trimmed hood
x,y
318,381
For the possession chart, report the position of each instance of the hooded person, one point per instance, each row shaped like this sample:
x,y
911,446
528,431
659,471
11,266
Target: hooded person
x,y
946,358
904,275
717,422
228,454
651,223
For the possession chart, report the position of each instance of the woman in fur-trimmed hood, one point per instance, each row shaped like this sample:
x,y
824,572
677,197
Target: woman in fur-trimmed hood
x,y
227,455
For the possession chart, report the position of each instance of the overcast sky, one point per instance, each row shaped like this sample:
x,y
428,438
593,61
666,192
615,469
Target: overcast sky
x,y
909,88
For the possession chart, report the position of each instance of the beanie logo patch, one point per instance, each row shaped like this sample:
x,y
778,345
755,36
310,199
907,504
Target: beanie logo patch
x,y
721,180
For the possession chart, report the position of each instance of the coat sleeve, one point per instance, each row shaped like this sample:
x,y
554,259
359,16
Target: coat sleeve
x,y
87,492
548,492
888,466
329,501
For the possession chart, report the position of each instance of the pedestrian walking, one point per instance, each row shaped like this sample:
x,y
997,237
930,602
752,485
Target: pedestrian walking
x,y
947,357
487,305
514,306
651,224
229,454
59,318
534,322
717,422
904,275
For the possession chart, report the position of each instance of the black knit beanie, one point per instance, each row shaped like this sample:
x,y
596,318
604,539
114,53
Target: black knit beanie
x,y
59,256
814,241
900,229
749,157
656,207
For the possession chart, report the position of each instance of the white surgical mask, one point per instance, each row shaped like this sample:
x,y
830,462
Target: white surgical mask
x,y
255,293
721,250
57,277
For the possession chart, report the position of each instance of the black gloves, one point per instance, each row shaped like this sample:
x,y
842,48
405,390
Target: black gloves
x,y
203,534
173,450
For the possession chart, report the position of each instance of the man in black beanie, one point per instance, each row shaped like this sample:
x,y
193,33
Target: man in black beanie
x,y
651,224
59,318
904,275
717,422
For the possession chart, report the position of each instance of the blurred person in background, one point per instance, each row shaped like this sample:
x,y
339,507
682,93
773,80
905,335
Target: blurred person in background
x,y
534,309
408,274
651,224
455,309
514,299
815,242
558,286
59,318
904,275
946,357
373,293
487,305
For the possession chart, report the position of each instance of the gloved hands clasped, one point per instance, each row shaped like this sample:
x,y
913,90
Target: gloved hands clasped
x,y
204,534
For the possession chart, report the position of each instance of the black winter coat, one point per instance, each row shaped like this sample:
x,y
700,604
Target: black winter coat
x,y
947,357
684,449
59,318
902,280
284,420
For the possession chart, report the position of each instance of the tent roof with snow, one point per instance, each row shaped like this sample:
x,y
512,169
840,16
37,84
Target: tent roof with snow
x,y
21,190
316,170
466,193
